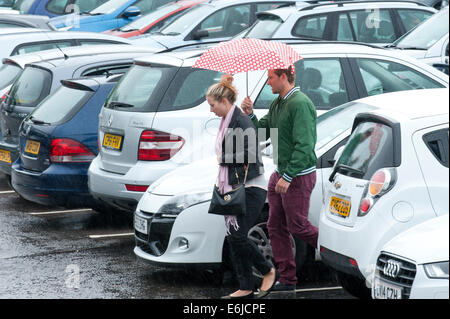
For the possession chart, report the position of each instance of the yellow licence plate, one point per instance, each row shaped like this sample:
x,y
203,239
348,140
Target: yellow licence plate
x,y
5,156
340,206
32,147
112,141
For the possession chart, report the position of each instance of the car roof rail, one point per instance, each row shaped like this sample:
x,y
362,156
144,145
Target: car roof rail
x,y
306,41
342,3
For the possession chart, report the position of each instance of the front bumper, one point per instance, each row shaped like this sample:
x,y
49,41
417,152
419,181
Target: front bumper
x,y
194,237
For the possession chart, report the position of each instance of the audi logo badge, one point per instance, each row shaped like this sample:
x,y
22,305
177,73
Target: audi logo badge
x,y
392,268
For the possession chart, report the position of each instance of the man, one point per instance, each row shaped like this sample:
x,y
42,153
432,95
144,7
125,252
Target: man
x,y
290,186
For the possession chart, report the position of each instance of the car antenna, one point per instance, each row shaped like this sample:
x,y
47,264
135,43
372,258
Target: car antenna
x,y
57,46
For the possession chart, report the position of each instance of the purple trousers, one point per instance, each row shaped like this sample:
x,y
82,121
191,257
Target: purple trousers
x,y
288,214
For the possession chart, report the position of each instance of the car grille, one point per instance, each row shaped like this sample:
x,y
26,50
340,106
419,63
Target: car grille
x,y
397,271
156,241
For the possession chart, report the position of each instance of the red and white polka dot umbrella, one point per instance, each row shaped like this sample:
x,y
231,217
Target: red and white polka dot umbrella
x,y
247,54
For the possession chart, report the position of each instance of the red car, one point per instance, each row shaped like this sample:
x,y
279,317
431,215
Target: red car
x,y
154,20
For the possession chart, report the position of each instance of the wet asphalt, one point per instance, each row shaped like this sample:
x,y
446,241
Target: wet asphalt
x,y
71,255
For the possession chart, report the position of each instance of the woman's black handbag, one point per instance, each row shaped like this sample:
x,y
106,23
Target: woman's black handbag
x,y
231,203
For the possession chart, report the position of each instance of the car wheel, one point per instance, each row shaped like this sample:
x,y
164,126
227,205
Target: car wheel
x,y
355,286
260,236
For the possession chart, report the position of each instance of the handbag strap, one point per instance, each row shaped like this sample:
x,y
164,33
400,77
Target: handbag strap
x,y
245,176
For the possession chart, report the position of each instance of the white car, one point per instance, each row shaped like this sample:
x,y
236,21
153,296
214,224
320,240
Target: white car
x,y
146,107
428,41
414,264
391,175
172,224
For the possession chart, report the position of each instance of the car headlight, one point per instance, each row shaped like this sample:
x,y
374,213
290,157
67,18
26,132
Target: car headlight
x,y
178,203
437,270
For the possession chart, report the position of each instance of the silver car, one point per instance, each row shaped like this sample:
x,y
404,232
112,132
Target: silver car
x,y
157,119
375,22
40,79
25,40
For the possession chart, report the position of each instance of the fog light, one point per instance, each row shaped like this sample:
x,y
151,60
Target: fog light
x,y
183,244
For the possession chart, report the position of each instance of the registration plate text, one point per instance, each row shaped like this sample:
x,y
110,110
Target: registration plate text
x,y
140,224
32,147
384,290
339,206
5,156
112,141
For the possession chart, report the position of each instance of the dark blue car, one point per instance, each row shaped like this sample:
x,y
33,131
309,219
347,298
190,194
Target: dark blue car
x,y
53,8
58,141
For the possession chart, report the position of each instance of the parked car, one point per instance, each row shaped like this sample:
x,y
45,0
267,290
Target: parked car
x,y
175,109
40,79
414,264
53,8
32,40
375,22
58,140
391,175
25,21
172,224
214,21
110,15
428,41
155,20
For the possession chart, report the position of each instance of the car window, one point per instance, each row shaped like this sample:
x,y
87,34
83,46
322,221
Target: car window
x,y
437,143
58,106
227,22
161,24
8,72
23,5
30,87
411,18
149,18
386,76
109,7
34,47
333,123
264,28
188,89
147,5
11,25
344,32
184,21
57,6
322,80
369,148
373,26
141,88
426,34
312,26
85,5
98,42
107,69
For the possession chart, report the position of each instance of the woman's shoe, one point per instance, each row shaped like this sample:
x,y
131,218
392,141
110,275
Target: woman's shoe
x,y
249,296
264,293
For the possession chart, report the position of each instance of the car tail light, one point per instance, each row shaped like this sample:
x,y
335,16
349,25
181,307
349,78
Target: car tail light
x,y
381,182
158,146
65,150
136,188
3,98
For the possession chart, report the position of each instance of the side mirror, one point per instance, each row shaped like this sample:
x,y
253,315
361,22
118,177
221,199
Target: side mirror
x,y
131,12
198,34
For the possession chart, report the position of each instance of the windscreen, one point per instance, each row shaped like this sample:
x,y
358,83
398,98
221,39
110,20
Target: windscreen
x,y
185,21
31,87
60,105
148,19
264,28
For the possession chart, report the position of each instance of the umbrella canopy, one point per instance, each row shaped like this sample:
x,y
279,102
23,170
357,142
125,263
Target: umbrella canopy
x,y
247,54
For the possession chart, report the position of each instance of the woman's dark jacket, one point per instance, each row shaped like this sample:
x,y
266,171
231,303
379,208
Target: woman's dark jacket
x,y
240,147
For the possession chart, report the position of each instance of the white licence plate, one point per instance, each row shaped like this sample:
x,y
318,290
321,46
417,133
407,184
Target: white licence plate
x,y
384,290
140,224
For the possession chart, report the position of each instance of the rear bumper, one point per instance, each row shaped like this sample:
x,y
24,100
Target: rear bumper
x,y
340,262
58,185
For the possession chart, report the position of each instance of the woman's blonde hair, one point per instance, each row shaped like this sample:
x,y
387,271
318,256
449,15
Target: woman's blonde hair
x,y
223,89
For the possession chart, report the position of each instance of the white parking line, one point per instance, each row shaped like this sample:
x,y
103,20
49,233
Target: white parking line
x,y
61,212
318,289
110,235
7,192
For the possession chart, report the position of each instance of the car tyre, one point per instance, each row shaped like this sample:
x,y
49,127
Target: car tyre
x,y
355,286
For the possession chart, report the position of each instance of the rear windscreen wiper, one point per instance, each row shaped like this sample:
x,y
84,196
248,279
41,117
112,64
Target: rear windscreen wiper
x,y
35,121
119,104
344,168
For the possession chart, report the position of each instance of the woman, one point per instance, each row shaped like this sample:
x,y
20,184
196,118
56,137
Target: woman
x,y
236,164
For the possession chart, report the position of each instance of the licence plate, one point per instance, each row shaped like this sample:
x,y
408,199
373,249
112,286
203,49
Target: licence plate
x,y
384,290
32,147
5,156
140,224
339,206
112,141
